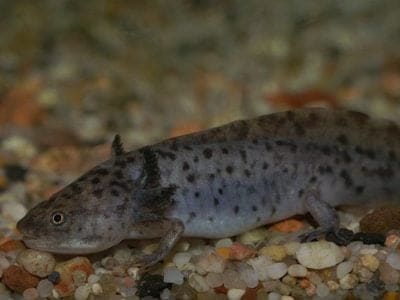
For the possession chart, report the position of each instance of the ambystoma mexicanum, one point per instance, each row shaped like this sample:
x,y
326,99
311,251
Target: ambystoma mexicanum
x,y
222,181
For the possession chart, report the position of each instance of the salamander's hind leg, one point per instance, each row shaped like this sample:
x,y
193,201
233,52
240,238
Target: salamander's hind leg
x,y
326,217
171,230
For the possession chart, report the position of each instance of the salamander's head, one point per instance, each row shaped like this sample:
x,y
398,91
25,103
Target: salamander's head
x,y
89,215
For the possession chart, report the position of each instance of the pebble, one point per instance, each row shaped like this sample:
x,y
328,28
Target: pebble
x,y
232,279
297,270
45,288
319,255
82,292
393,259
343,269
322,290
97,289
198,282
13,210
181,259
370,262
226,242
17,279
166,295
214,279
30,294
235,294
93,278
274,296
253,236
150,285
275,252
36,262
349,281
12,246
241,252
276,270
292,247
259,265
75,268
210,263
388,274
285,297
248,275
173,275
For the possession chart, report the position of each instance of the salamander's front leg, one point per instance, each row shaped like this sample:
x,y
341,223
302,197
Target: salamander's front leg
x,y
170,231
326,217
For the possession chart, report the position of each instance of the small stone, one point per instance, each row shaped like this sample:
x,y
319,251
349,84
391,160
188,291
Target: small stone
x,y
275,252
17,279
151,285
93,278
349,281
36,262
214,279
108,283
173,275
11,246
79,277
82,292
210,263
54,277
319,255
274,296
392,241
70,270
13,210
122,255
292,247
233,280
227,242
248,275
369,238
241,252
30,294
235,294
370,262
45,288
276,270
165,294
97,289
198,282
393,259
181,259
297,270
259,265
322,290
343,269
253,236
285,297
332,285
388,274
134,272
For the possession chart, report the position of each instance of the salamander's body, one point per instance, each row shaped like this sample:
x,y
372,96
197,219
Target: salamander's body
x,y
223,181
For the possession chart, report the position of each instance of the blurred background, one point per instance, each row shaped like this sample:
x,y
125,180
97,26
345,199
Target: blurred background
x,y
74,73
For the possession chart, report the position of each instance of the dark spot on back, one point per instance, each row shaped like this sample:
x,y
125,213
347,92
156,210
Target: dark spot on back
x,y
255,141
207,153
346,177
216,202
119,174
95,180
185,166
102,172
220,191
229,169
224,151
359,189
236,209
197,194
243,155
98,193
300,131
268,146
247,173
254,208
265,166
188,148
190,178
196,159
115,193
342,139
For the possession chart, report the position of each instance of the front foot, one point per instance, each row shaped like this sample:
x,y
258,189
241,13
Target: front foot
x,y
339,236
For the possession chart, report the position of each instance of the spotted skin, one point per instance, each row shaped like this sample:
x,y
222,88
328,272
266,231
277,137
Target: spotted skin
x,y
222,181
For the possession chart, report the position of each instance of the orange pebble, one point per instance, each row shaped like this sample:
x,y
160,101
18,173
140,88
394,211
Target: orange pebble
x,y
221,290
304,283
224,252
391,296
288,226
240,252
11,245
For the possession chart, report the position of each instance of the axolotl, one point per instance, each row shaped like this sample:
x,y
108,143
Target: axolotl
x,y
221,182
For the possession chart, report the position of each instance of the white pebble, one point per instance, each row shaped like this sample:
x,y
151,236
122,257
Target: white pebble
x,y
165,294
4,263
319,255
227,242
45,288
82,292
259,265
198,282
13,210
210,263
343,269
214,279
36,262
93,278
232,280
235,294
134,272
173,275
248,275
393,259
348,282
181,258
322,290
274,296
297,270
97,289
276,270
292,247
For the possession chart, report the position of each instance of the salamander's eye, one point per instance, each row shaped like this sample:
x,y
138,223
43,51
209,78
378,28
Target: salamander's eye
x,y
57,218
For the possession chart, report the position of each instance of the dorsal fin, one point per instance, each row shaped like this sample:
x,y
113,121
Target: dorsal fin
x,y
117,148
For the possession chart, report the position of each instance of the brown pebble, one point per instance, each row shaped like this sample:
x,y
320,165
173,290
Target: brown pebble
x,y
18,280
381,220
12,245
